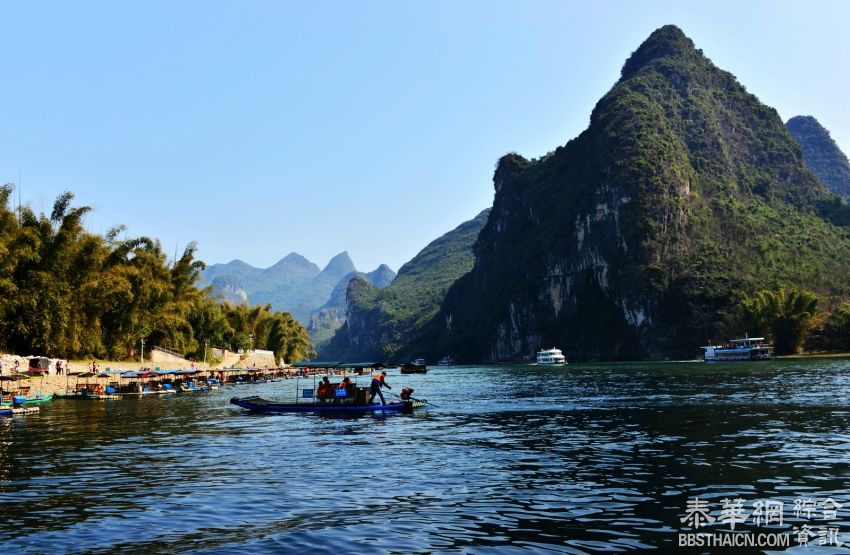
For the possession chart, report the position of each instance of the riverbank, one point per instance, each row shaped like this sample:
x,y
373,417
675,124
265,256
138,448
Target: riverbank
x,y
52,384
814,355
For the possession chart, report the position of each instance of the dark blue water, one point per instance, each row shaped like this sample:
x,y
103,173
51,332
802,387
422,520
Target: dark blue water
x,y
581,459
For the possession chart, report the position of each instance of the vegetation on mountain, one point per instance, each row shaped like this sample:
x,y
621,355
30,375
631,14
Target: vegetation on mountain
x,y
830,331
642,236
821,153
325,321
391,323
69,293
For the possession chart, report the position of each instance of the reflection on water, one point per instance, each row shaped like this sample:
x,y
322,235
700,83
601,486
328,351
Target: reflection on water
x,y
587,458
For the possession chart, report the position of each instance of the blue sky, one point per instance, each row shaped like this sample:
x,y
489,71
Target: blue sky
x,y
260,128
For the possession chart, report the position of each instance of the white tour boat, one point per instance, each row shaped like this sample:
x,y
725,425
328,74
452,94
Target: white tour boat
x,y
748,348
551,356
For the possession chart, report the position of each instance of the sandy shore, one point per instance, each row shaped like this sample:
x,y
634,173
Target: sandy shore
x,y
52,383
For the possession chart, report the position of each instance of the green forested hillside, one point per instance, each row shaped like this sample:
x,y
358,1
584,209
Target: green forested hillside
x,y
388,323
325,321
69,293
641,236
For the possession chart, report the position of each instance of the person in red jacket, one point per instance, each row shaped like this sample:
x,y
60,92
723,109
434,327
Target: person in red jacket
x,y
325,389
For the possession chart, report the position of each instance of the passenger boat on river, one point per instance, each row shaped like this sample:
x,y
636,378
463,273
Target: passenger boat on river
x,y
338,398
748,348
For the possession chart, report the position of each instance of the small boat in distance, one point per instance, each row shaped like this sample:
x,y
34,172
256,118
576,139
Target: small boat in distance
x,y
446,361
418,366
551,356
748,348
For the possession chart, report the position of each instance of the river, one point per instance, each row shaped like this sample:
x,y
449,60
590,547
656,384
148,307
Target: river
x,y
585,458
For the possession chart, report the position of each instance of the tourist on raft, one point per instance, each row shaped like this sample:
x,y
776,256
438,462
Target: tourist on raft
x,y
325,389
346,384
378,381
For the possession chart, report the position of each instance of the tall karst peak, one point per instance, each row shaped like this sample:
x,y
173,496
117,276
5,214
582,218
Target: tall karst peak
x,y
667,42
648,227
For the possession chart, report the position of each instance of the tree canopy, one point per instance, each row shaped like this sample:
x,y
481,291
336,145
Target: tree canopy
x,y
67,292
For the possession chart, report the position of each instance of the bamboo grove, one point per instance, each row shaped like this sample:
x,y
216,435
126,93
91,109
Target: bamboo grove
x,y
65,292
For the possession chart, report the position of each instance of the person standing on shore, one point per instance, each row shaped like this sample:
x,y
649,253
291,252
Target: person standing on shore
x,y
378,381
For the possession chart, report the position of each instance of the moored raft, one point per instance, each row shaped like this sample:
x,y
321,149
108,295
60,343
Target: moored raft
x,y
6,410
80,396
38,399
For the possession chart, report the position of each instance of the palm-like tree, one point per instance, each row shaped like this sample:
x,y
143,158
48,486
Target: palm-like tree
x,y
784,314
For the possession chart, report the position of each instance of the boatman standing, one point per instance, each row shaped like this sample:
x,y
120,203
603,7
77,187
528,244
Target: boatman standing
x,y
378,382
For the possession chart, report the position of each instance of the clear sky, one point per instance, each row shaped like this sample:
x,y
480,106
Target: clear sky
x,y
260,128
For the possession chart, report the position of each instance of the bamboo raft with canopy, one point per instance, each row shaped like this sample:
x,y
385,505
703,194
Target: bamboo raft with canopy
x,y
340,399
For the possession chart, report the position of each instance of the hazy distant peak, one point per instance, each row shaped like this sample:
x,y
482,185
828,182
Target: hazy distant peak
x,y
340,264
295,260
381,276
821,153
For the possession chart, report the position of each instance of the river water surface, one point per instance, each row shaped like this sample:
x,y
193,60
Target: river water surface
x,y
512,459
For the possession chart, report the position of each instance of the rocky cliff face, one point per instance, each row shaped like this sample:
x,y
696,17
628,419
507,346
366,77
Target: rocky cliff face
x,y
230,289
639,237
822,154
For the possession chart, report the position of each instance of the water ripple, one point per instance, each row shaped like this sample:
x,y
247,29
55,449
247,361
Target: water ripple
x,y
585,459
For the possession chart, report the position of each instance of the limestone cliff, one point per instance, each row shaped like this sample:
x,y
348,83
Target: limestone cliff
x,y
639,237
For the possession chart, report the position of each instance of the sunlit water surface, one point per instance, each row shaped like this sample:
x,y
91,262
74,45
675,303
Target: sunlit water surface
x,y
576,459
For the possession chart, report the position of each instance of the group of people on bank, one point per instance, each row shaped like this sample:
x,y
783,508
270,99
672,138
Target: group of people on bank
x,y
346,388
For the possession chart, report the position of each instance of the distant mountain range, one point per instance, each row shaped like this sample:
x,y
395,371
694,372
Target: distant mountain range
x,y
293,284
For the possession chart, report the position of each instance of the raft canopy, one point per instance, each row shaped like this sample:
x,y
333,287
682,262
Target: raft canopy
x,y
355,365
359,365
315,364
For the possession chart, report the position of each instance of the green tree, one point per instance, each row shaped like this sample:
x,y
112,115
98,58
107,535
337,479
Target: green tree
x,y
67,292
784,315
